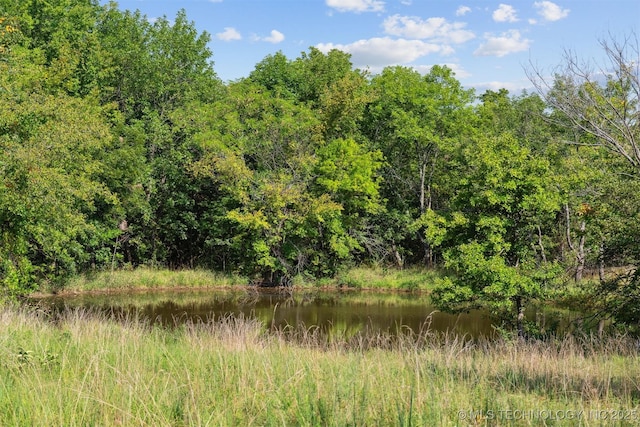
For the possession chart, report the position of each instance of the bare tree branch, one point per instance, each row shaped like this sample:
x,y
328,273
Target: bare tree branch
x,y
601,104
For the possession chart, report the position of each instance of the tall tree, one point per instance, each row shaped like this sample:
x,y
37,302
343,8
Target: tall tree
x,y
412,118
153,72
259,151
292,199
599,107
503,200
57,216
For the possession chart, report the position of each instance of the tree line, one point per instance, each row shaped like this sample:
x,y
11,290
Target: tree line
x,y
121,147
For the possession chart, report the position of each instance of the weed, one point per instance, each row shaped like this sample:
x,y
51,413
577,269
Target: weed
x,y
232,371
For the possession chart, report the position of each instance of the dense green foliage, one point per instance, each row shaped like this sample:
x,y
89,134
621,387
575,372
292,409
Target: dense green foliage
x,y
121,148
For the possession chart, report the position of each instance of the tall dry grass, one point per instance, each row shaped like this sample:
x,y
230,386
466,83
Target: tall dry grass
x,y
82,369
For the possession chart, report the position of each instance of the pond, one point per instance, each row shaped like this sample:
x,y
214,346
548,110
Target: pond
x,y
345,313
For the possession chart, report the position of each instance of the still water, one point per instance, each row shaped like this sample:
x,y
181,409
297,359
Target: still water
x,y
339,312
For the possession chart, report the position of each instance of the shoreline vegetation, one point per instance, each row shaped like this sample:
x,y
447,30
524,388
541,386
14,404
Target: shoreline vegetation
x,y
84,369
363,278
148,279
416,281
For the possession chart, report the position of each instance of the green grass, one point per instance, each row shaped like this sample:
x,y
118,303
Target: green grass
x,y
142,278
411,279
85,370
148,278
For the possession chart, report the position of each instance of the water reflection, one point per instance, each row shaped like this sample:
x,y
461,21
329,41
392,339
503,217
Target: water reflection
x,y
334,313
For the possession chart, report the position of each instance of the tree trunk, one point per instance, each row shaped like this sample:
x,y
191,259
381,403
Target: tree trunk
x,y
601,262
429,184
423,177
426,178
601,325
580,255
397,256
520,316
542,251
568,226
428,250
428,253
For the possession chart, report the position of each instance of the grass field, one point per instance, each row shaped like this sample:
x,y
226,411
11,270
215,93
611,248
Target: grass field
x,y
82,369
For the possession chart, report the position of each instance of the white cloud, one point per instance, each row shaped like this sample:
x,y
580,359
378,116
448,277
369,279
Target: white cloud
x,y
436,29
229,34
383,51
275,37
506,43
463,10
550,11
512,87
460,72
356,6
505,13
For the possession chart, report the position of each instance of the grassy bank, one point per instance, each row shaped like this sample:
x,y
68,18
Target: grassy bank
x,y
409,279
85,370
147,279
372,278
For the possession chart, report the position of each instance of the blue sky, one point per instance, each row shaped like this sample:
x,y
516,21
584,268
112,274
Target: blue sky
x,y
487,43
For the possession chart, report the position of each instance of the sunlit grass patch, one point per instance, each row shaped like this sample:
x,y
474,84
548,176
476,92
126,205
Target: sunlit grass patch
x,y
149,278
82,369
410,279
143,278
